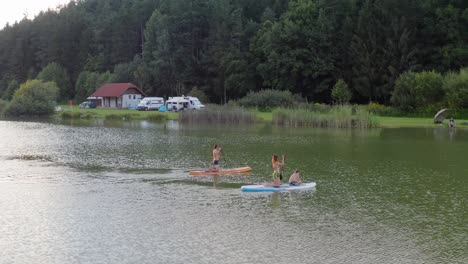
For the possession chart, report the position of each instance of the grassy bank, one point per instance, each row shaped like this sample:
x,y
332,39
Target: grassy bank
x,y
114,114
387,122
220,114
396,122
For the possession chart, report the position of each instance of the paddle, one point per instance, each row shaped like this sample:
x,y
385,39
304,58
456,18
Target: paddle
x,y
284,167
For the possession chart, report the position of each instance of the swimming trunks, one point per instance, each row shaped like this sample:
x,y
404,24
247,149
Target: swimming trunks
x,y
276,175
215,162
294,183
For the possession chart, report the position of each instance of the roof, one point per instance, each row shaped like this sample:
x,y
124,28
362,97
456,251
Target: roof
x,y
114,90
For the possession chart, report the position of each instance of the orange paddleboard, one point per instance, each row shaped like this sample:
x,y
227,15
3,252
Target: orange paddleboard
x,y
222,171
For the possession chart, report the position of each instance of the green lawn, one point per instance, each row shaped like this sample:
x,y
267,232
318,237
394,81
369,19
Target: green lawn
x,y
386,122
101,113
264,116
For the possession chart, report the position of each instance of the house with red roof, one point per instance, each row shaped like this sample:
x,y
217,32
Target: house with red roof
x,y
117,95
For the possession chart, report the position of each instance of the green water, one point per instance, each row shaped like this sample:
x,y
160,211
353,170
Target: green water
x,y
107,192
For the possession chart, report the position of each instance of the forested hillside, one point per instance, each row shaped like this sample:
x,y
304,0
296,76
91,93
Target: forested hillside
x,y
226,48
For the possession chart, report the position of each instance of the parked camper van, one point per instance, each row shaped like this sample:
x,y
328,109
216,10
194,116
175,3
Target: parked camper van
x,y
180,103
150,103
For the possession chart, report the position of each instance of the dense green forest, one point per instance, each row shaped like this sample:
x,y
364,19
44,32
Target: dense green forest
x,y
226,48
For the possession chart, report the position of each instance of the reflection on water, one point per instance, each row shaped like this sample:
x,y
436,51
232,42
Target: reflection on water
x,y
115,192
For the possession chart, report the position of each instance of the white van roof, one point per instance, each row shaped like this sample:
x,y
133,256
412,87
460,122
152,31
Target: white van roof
x,y
155,98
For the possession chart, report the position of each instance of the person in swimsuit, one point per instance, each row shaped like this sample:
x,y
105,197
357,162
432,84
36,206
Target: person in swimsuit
x,y
451,122
216,156
295,179
277,177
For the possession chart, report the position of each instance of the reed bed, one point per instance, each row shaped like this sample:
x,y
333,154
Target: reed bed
x,y
336,117
219,114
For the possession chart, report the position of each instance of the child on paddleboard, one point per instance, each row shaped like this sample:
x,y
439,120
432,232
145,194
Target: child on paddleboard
x,y
216,156
295,179
277,177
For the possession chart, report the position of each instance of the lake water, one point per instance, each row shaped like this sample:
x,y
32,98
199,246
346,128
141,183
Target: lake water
x,y
121,193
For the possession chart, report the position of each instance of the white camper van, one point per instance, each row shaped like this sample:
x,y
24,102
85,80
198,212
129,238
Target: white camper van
x,y
150,103
180,103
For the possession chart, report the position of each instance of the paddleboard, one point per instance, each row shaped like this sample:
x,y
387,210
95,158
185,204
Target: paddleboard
x,y
222,171
281,188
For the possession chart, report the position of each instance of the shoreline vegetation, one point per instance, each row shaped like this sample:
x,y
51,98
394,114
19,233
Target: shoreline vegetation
x,y
335,117
219,114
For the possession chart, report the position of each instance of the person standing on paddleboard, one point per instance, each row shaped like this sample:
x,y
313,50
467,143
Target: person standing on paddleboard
x,y
277,177
216,156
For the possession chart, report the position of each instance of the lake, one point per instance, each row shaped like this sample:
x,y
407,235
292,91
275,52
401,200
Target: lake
x,y
106,192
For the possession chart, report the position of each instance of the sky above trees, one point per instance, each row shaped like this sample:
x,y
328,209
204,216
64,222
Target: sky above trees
x,y
11,11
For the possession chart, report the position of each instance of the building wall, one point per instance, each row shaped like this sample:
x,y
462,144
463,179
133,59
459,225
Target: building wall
x,y
131,100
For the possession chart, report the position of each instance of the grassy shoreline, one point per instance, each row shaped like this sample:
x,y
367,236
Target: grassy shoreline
x,y
113,114
267,117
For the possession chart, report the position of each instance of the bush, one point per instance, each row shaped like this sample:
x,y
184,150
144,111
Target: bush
x,y
414,91
70,115
456,89
316,107
341,93
266,100
195,92
429,88
33,98
382,110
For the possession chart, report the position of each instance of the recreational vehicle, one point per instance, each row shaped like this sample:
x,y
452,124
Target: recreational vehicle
x,y
181,103
150,103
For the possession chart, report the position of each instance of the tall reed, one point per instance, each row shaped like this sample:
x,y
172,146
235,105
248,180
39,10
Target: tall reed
x,y
218,114
336,117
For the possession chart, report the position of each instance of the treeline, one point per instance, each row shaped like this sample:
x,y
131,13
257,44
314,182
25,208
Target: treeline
x,y
227,48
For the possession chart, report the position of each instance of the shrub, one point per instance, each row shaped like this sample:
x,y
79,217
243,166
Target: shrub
x,y
341,93
414,91
195,92
382,110
70,115
266,100
316,107
33,98
429,88
456,89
